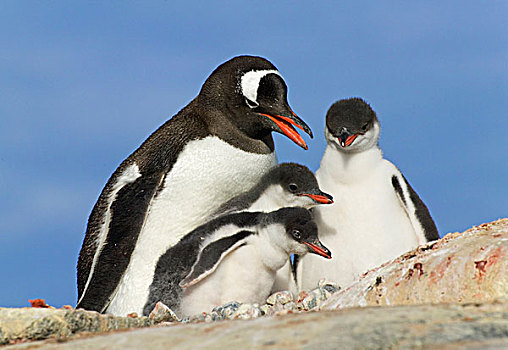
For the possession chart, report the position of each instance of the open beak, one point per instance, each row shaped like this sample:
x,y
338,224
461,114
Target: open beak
x,y
286,125
318,248
321,197
346,138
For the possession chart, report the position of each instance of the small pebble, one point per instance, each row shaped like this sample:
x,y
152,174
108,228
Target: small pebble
x,y
247,311
290,306
280,297
328,286
226,311
266,309
162,313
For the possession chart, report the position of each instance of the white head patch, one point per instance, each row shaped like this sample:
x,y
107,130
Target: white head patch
x,y
250,82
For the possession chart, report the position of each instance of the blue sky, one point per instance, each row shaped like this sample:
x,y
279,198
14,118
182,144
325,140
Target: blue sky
x,y
83,84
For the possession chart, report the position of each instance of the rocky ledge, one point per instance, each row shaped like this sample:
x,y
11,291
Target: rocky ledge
x,y
43,321
445,326
461,267
465,276
18,325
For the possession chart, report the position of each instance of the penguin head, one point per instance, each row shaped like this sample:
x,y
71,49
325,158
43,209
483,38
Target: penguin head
x,y
251,92
300,232
294,185
352,125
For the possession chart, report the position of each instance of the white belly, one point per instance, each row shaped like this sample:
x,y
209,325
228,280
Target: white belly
x,y
207,173
240,277
365,227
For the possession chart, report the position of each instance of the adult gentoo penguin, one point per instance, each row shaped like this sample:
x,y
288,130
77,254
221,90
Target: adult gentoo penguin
x,y
216,147
379,217
231,258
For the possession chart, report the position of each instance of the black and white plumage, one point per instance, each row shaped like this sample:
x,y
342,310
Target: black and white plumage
x,y
285,185
215,148
231,258
378,216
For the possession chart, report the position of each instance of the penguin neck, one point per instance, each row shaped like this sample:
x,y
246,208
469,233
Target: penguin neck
x,y
222,126
271,198
271,247
349,166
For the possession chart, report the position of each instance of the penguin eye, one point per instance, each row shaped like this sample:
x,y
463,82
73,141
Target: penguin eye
x,y
364,128
251,104
297,234
293,187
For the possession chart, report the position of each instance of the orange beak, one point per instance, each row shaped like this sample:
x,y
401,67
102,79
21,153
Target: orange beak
x,y
319,249
286,125
322,199
346,140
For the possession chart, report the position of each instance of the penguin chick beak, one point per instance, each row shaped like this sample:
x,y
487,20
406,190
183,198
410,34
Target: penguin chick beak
x,y
346,138
286,127
321,198
318,248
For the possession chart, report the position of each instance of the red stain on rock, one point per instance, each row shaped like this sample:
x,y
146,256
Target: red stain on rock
x,y
493,258
418,267
480,266
132,315
497,255
41,303
440,269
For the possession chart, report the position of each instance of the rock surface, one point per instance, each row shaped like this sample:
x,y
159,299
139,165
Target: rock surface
x,y
26,324
36,324
470,268
461,267
474,326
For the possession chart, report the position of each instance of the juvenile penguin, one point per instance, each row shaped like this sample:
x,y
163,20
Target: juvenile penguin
x,y
231,258
285,185
380,216
215,148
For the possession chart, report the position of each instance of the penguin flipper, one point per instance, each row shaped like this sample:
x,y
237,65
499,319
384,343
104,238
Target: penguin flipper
x,y
124,227
295,261
211,255
234,205
417,211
